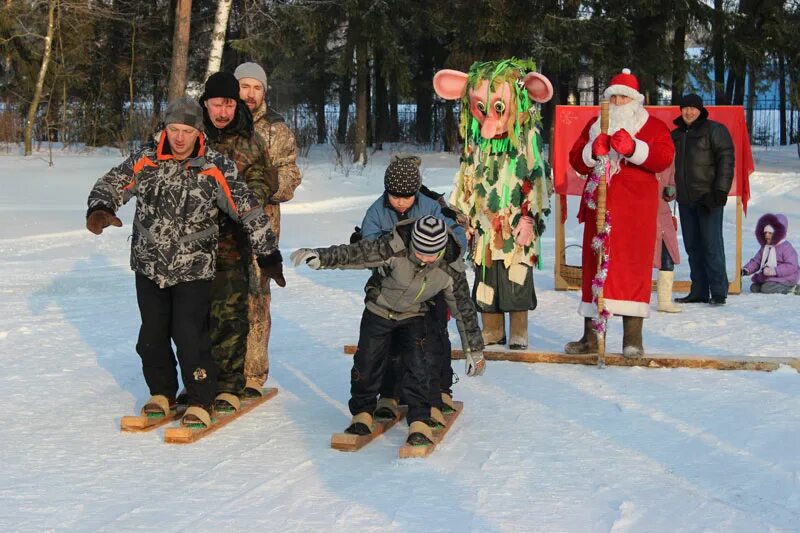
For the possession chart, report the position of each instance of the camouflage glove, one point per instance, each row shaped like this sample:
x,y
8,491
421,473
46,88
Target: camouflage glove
x,y
272,267
307,256
476,364
99,219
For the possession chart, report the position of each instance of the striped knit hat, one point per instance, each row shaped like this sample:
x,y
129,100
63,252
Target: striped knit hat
x,y
429,236
402,176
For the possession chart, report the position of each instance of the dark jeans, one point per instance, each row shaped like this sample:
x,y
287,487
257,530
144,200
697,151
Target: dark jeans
x,y
179,313
702,238
369,363
667,264
438,351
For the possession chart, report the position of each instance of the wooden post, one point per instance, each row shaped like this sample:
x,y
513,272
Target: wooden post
x,y
560,283
600,226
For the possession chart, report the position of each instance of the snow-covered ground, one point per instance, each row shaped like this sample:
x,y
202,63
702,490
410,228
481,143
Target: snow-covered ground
x,y
538,448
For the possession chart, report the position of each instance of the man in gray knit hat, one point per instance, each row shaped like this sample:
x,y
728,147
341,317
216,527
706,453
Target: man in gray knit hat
x,y
283,177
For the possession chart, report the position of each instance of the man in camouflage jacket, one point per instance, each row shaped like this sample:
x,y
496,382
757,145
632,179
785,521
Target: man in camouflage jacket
x,y
181,185
229,127
283,177
419,259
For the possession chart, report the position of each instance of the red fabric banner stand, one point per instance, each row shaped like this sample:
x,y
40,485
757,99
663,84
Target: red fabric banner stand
x,y
570,120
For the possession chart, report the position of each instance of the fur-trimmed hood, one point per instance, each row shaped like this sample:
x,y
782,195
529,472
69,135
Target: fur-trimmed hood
x,y
777,221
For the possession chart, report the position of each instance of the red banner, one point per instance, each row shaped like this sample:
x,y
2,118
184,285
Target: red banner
x,y
570,120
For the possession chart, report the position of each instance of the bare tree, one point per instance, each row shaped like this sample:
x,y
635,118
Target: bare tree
x,y
37,92
180,49
218,36
362,72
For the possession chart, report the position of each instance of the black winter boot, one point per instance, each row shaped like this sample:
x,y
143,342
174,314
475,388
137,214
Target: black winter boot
x,y
587,343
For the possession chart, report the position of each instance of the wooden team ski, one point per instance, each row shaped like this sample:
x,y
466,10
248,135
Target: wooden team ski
x,y
187,435
142,423
407,451
655,360
345,442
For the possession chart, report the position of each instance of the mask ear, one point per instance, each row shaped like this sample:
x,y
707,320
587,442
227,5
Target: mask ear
x,y
450,84
539,88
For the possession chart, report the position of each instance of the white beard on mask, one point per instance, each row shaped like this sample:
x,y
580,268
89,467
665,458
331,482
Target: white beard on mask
x,y
630,117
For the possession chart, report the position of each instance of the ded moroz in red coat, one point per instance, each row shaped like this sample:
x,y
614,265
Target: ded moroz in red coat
x,y
632,199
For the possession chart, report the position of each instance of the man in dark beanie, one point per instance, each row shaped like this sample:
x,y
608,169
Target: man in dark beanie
x,y
181,187
229,127
405,197
704,161
416,261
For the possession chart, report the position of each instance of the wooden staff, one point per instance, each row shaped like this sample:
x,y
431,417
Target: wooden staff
x,y
600,226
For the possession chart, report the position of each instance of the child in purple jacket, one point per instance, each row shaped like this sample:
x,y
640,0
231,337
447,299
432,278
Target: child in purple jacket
x,y
774,268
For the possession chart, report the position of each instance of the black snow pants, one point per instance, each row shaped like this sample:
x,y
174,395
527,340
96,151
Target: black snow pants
x,y
179,313
372,357
437,355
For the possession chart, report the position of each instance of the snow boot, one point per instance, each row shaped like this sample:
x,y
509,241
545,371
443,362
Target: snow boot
x,y
448,406
252,389
665,304
158,406
632,336
197,416
518,326
587,343
436,420
419,434
360,425
386,409
226,402
494,328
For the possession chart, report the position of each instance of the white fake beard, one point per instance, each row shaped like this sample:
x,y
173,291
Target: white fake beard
x,y
630,117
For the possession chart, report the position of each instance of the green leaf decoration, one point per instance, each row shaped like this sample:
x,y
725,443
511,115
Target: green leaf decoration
x,y
494,201
516,195
480,190
508,245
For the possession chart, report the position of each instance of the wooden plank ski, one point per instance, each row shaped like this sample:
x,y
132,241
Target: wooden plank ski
x,y
765,364
345,442
142,423
407,451
185,435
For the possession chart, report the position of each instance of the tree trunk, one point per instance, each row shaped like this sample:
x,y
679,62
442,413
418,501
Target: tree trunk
x,y
718,51
362,103
180,50
37,93
381,103
751,98
450,128
679,58
394,116
345,93
424,93
782,97
218,36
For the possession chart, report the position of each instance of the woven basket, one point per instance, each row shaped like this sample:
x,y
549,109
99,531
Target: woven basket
x,y
573,275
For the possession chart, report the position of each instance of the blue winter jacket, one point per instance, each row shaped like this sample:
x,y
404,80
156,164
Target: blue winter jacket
x,y
381,218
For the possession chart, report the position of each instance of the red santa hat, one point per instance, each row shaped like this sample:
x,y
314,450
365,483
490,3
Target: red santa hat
x,y
625,84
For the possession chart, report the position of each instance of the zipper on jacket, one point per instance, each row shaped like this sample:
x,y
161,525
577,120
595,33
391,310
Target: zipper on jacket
x,y
422,288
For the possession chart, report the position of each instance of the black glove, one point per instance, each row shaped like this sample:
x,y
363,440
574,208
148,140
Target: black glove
x,y
101,218
272,267
745,273
721,198
669,193
707,202
356,235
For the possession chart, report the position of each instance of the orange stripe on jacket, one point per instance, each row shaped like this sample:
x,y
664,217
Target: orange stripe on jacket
x,y
220,178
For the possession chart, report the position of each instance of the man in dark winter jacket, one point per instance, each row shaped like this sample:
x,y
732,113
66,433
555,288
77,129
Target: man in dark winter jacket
x,y
405,197
181,185
229,127
420,259
704,161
